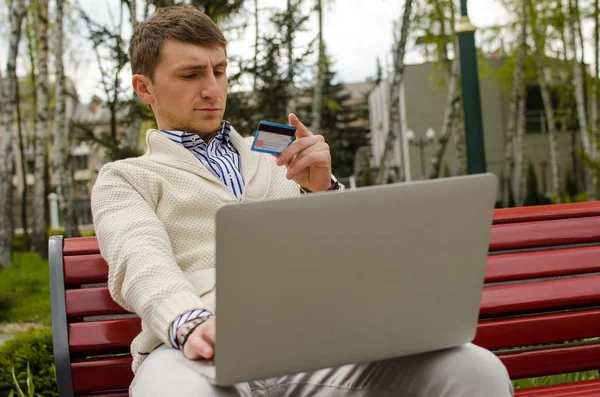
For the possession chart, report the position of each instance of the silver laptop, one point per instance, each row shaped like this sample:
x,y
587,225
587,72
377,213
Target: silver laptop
x,y
336,278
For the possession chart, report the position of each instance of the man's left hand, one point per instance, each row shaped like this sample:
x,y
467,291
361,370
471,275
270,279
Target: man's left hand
x,y
307,159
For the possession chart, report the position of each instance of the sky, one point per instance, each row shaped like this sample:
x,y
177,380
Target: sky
x,y
357,32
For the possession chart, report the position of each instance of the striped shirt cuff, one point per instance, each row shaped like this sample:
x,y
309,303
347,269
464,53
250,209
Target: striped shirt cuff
x,y
184,318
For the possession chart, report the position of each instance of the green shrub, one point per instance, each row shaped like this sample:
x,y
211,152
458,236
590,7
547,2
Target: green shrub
x,y
30,386
21,242
33,348
7,302
532,196
56,232
61,232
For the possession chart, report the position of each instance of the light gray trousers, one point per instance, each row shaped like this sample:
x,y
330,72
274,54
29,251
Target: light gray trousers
x,y
466,371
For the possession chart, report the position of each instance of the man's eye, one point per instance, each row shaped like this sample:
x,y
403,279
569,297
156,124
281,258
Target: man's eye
x,y
189,76
219,73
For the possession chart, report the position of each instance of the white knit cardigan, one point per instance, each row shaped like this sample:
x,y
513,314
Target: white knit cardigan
x,y
154,217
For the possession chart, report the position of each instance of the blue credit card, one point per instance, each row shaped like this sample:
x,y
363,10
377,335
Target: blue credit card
x,y
272,138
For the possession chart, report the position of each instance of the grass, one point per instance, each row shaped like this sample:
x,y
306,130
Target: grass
x,y
556,379
25,290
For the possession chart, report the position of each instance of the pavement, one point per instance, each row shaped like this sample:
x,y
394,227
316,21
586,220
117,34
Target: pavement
x,y
9,330
5,338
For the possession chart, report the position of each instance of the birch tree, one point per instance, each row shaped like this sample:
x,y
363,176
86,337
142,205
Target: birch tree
x,y
452,69
39,242
17,11
588,148
294,22
519,175
517,91
317,106
462,166
452,100
24,169
289,33
595,92
549,113
62,174
399,51
256,41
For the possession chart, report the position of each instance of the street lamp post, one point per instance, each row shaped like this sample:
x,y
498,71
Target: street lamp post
x,y
421,143
471,93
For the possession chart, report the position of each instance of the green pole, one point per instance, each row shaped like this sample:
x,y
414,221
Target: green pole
x,y
471,94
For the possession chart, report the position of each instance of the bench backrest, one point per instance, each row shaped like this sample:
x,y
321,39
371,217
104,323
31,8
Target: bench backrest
x,y
542,287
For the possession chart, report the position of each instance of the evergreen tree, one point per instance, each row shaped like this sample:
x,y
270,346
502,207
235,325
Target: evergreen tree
x,y
217,10
272,74
340,123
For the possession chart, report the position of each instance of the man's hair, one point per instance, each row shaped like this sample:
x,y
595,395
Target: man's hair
x,y
181,23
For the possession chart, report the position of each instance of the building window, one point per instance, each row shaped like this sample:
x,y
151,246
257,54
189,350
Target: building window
x,y
80,162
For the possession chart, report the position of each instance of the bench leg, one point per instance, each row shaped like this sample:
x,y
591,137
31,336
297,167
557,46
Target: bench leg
x,y
62,359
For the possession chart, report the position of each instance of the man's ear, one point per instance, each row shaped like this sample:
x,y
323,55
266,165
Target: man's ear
x,y
142,87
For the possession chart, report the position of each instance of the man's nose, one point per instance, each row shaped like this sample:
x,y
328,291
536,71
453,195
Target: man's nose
x,y
210,88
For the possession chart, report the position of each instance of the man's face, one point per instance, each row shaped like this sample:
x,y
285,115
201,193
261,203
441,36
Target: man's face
x,y
189,91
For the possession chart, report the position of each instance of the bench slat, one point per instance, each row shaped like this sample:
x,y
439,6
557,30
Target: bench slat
x,y
85,269
119,394
553,361
575,389
545,233
528,265
540,295
534,330
81,246
96,337
546,212
102,374
91,302
88,269
498,299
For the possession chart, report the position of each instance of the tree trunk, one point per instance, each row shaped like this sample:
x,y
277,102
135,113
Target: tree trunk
x,y
23,155
449,116
132,6
39,225
394,100
515,96
580,100
289,33
453,71
550,120
519,176
568,82
595,93
256,40
460,141
132,134
18,9
317,106
62,174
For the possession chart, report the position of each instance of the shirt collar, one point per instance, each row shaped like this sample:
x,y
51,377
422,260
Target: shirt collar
x,y
189,140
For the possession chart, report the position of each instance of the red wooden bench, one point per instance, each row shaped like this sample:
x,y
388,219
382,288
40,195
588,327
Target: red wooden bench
x,y
542,289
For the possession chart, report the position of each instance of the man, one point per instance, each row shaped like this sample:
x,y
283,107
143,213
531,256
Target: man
x,y
154,218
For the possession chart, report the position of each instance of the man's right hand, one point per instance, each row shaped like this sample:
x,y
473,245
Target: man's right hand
x,y
201,342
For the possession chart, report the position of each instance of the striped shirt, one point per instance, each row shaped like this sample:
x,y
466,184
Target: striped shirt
x,y
219,156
